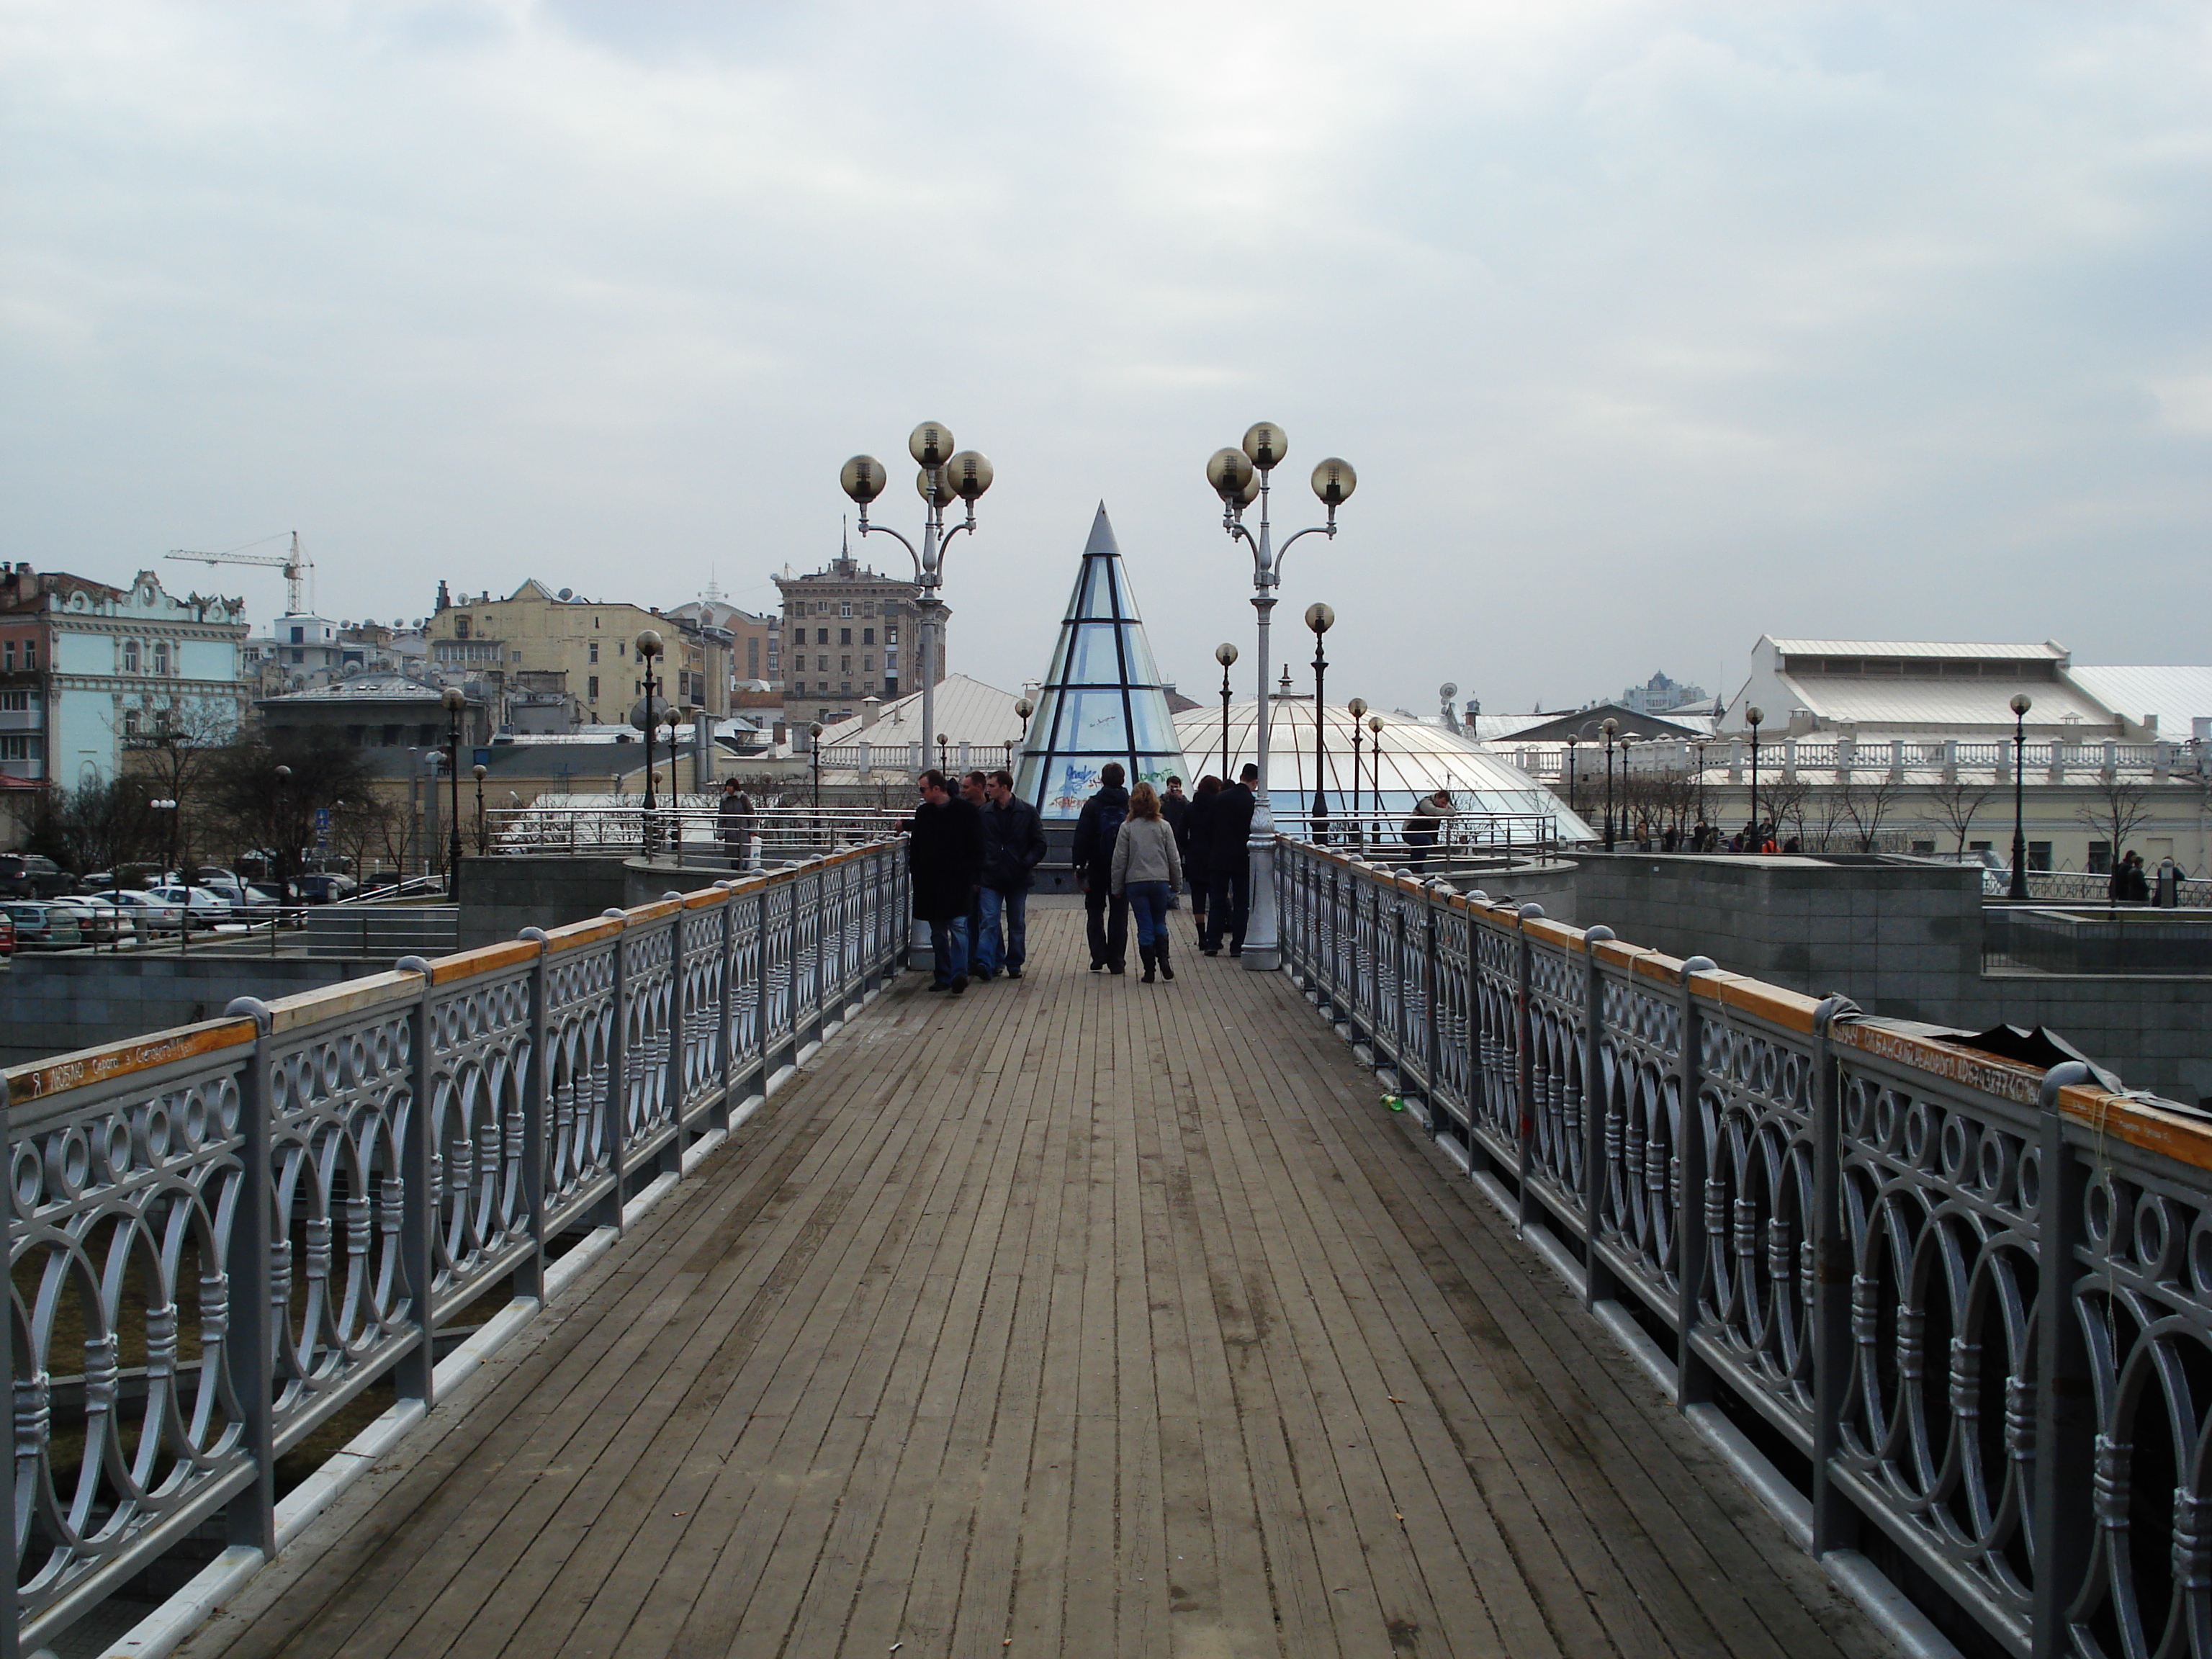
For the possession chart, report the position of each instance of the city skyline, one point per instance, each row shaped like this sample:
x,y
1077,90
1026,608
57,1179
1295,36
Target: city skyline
x,y
1661,326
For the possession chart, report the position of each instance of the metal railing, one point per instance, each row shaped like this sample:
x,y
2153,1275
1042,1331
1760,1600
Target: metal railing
x,y
221,1235
905,759
2053,762
690,829
1837,1230
2091,887
1465,837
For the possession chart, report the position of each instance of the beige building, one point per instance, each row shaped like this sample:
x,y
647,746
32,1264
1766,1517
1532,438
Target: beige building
x,y
848,636
579,649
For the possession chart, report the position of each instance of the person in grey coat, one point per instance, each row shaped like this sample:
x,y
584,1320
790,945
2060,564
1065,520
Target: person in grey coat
x,y
1147,872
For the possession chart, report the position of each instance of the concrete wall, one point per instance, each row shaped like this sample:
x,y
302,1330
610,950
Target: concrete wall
x,y
1898,940
53,1004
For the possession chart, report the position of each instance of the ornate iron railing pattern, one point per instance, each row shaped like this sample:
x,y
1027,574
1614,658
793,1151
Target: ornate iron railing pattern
x,y
243,1223
1842,1226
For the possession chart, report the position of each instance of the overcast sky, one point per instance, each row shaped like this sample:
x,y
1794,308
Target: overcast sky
x,y
1650,328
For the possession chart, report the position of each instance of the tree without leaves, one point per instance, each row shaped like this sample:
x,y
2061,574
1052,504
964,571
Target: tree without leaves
x,y
97,826
1954,806
2116,809
277,815
1866,800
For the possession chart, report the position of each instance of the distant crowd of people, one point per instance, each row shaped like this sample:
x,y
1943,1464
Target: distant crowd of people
x,y
974,849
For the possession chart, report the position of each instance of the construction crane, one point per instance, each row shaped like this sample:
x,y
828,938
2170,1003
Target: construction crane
x,y
299,569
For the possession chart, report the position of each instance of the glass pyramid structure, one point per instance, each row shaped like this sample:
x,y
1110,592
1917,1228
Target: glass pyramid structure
x,y
1103,698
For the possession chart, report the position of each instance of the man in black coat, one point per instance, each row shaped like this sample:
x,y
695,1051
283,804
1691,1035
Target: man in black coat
x,y
945,853
1229,864
1107,915
1013,846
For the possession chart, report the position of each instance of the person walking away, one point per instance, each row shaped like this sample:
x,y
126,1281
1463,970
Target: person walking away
x,y
1197,838
1174,807
1013,846
974,789
944,852
1229,864
1147,873
1422,829
1106,917
733,824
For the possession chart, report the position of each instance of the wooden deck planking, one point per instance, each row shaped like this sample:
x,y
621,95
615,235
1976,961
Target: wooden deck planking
x,y
1075,1314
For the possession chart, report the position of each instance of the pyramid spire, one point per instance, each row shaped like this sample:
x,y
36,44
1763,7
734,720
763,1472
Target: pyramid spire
x,y
1103,698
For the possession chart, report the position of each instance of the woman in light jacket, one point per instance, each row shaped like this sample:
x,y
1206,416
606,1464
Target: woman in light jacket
x,y
1148,871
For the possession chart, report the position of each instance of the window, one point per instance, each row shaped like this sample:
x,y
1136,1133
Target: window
x,y
2101,857
821,636
14,702
871,685
130,656
130,723
2039,855
845,664
30,656
1923,850
390,738
822,690
867,636
845,609
595,651
460,628
1979,847
890,635
593,683
299,636
161,657
8,656
18,748
867,662
595,622
822,664
844,636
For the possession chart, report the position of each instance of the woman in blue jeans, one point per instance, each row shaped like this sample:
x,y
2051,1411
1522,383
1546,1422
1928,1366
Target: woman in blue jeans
x,y
1148,871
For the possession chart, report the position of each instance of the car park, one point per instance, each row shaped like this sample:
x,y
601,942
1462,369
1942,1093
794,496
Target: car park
x,y
101,921
40,925
29,876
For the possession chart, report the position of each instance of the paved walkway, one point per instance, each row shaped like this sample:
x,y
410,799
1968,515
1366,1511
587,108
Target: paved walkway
x,y
1073,1317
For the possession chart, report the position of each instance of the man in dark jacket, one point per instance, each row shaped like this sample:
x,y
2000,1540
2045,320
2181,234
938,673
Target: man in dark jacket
x,y
1013,845
1229,864
1096,831
945,853
734,824
1196,847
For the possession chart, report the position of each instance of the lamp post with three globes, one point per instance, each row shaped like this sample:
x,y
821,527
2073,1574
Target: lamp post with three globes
x,y
1239,476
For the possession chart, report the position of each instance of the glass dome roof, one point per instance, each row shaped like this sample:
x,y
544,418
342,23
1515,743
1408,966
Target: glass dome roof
x,y
1415,759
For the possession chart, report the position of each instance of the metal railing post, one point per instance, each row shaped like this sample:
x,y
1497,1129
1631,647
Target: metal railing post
x,y
420,1170
725,1009
760,987
615,1103
1597,1101
537,1083
1524,1060
250,1341
1430,1070
2068,1449
1835,1519
1695,1220
679,1015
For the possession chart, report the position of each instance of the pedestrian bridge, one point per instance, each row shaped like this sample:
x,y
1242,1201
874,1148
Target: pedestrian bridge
x,y
807,1313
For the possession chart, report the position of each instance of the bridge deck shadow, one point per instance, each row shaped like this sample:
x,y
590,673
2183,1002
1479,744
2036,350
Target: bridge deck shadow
x,y
1072,1315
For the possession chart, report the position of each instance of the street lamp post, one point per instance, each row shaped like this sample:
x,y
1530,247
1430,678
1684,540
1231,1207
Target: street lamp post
x,y
2021,702
1701,785
1375,766
814,754
1356,709
483,845
945,477
1226,654
672,717
649,646
944,752
455,700
1608,729
1321,619
1238,476
1573,742
1024,708
168,808
1754,716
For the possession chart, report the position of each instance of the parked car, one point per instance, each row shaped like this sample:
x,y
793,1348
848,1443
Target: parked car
x,y
326,889
153,916
101,921
28,875
260,900
206,908
43,926
7,935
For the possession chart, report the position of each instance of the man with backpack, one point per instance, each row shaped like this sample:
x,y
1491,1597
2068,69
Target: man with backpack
x,y
1107,915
